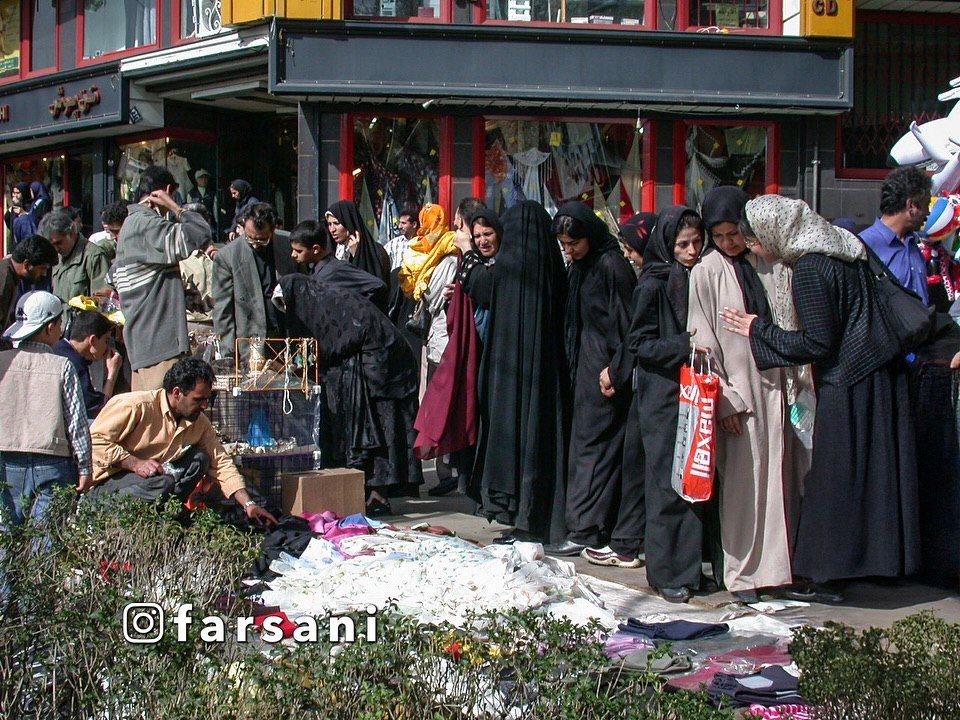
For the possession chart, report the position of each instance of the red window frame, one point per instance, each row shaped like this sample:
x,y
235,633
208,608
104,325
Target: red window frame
x,y
446,16
444,182
774,22
64,156
904,18
649,20
26,42
771,160
81,62
648,152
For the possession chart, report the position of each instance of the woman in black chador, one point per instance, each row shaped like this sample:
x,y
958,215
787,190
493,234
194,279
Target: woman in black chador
x,y
519,474
378,380
660,343
601,283
347,228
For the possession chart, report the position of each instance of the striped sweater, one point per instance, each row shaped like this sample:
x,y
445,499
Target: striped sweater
x,y
146,275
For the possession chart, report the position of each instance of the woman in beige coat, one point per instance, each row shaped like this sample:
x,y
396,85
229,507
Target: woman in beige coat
x,y
759,457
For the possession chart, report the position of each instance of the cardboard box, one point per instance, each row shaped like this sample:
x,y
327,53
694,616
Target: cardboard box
x,y
313,491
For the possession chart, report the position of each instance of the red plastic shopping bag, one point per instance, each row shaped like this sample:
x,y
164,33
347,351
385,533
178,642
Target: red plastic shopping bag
x,y
694,457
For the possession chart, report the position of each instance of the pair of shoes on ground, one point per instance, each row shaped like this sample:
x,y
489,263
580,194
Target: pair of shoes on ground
x,y
812,592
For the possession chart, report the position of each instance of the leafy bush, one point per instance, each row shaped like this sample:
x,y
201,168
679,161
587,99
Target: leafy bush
x,y
907,671
63,653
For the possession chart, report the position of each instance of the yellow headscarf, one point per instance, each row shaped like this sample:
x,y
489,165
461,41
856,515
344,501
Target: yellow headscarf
x,y
434,242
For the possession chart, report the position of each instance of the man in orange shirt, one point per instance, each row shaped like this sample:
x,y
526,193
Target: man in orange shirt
x,y
137,433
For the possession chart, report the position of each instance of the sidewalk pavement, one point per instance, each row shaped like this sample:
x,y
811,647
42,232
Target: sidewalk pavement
x,y
868,604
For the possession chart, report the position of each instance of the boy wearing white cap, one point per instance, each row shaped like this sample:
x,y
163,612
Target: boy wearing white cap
x,y
47,443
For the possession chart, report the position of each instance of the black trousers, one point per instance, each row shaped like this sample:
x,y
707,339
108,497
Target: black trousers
x,y
189,468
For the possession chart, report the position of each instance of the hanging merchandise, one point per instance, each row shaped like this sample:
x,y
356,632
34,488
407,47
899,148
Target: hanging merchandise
x,y
694,458
367,213
631,174
615,205
389,219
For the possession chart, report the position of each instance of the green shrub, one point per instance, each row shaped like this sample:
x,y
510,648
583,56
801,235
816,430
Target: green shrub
x,y
907,671
63,654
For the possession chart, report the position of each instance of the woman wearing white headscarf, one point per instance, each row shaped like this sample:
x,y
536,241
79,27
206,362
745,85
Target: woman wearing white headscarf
x,y
760,460
859,514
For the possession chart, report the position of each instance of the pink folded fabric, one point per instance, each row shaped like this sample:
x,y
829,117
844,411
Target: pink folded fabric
x,y
781,712
327,524
620,644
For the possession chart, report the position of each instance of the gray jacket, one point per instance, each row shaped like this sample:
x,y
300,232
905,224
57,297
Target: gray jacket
x,y
238,302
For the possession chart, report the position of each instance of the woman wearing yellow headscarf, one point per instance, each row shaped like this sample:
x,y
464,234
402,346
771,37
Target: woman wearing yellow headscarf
x,y
434,242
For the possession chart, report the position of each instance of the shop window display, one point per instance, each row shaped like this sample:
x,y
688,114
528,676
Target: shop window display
x,y
602,12
182,158
553,162
396,164
730,14
725,155
113,25
397,8
9,38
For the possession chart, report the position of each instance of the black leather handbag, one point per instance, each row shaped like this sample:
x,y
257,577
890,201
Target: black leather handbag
x,y
908,319
419,321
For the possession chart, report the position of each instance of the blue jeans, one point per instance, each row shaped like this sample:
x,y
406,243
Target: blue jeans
x,y
30,481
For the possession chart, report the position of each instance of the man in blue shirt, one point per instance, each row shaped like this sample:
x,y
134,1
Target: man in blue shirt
x,y
89,341
904,206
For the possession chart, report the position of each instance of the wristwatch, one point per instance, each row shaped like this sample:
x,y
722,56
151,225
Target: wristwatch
x,y
249,503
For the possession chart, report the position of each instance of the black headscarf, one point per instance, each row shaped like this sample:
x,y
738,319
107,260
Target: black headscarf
x,y
26,195
367,257
242,187
636,231
601,241
491,219
660,263
726,204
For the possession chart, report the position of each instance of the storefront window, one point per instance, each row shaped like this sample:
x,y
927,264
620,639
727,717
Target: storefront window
x,y
396,165
725,155
43,34
9,38
200,18
730,13
553,162
113,25
48,170
603,12
397,8
183,158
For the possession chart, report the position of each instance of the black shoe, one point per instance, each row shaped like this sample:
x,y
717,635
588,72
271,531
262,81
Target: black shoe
x,y
514,537
675,595
708,585
567,548
376,508
746,597
814,593
445,487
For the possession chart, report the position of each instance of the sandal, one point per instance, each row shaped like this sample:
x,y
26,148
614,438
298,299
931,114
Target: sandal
x,y
378,508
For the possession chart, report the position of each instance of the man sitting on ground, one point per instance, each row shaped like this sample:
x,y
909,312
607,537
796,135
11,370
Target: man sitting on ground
x,y
89,341
137,433
45,443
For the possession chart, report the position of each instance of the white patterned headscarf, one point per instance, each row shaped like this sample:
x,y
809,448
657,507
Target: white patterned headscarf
x,y
790,229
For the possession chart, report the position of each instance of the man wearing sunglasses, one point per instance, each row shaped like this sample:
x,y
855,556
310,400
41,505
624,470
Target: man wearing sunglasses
x,y
245,274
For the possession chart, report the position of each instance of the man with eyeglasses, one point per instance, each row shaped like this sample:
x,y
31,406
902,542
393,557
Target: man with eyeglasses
x,y
245,274
157,443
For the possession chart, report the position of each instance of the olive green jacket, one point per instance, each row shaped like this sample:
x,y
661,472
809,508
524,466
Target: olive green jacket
x,y
81,272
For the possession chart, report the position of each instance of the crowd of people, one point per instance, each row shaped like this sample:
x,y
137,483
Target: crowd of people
x,y
537,358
